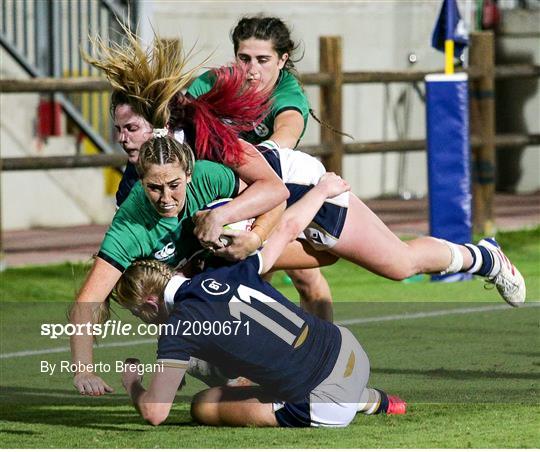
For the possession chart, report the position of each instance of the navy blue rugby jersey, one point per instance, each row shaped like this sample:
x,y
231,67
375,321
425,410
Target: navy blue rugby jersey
x,y
272,341
129,179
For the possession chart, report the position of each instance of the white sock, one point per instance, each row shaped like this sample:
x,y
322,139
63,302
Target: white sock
x,y
369,401
477,258
486,261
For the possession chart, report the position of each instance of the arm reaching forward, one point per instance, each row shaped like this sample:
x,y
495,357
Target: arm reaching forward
x,y
298,216
99,283
265,191
155,403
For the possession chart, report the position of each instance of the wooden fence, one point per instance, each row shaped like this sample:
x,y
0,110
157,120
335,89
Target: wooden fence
x,y
331,78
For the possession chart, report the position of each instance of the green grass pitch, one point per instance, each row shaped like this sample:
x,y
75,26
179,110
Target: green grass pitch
x,y
467,366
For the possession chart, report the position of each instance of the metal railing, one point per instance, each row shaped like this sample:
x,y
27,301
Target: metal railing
x,y
45,37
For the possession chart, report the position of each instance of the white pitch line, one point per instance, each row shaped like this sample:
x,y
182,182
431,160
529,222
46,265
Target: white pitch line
x,y
422,315
358,321
46,351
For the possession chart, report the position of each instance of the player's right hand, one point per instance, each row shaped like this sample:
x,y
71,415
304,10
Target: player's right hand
x,y
240,244
333,185
88,383
208,227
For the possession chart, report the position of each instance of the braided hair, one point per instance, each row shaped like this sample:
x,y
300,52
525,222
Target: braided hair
x,y
141,280
163,150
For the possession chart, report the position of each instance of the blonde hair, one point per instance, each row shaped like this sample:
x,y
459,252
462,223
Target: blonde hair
x,y
142,279
145,79
160,151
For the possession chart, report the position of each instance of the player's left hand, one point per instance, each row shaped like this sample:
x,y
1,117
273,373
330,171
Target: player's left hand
x,y
242,244
208,228
90,384
130,376
332,184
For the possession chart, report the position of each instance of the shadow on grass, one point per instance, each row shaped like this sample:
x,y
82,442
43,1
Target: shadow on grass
x,y
19,432
457,374
59,397
66,408
527,354
442,385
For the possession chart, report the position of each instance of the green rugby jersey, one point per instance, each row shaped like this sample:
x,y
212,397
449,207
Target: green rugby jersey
x,y
287,95
139,232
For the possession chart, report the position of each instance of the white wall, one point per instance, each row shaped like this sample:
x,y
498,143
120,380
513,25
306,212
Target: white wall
x,y
517,47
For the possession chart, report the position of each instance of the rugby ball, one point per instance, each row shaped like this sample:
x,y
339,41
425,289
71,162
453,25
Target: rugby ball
x,y
242,225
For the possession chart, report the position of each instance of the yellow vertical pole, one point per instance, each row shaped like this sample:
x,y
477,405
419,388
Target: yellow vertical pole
x,y
448,56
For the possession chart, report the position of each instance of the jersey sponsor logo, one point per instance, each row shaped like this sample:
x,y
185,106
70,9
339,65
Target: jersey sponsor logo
x,y
212,287
316,236
261,129
166,252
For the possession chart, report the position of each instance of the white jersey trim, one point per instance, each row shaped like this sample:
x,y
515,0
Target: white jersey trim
x,y
261,263
176,363
170,290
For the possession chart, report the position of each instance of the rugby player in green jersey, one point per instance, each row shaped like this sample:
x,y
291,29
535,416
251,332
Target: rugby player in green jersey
x,y
157,218
309,372
263,45
376,248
